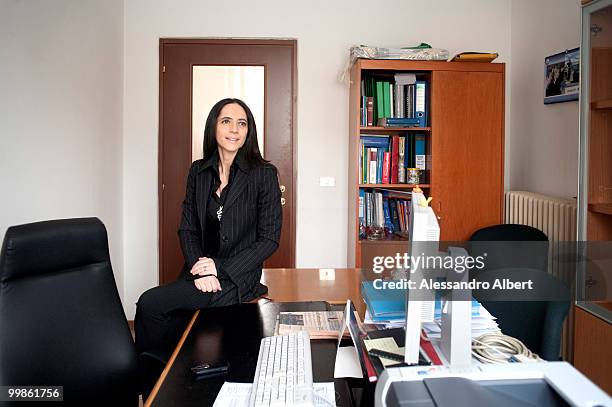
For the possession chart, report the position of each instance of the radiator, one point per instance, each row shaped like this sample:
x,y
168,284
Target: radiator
x,y
556,217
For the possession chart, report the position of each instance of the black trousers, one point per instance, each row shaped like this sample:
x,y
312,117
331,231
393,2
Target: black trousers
x,y
160,313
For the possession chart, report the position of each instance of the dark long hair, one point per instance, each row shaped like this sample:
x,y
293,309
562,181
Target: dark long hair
x,y
250,149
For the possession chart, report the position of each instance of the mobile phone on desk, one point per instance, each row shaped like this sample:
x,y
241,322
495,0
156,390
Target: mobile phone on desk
x,y
202,370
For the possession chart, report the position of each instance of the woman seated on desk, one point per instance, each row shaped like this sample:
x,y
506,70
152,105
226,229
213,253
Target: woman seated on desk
x,y
231,223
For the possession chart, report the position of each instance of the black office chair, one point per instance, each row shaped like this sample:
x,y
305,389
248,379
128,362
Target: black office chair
x,y
61,318
538,324
533,253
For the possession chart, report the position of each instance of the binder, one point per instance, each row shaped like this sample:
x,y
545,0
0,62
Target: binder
x,y
372,152
379,165
394,159
384,304
398,122
399,107
380,98
386,167
388,221
409,153
391,101
419,151
386,99
369,111
420,105
376,141
401,163
364,163
361,208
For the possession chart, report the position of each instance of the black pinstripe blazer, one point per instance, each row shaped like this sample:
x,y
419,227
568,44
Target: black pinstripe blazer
x,y
250,227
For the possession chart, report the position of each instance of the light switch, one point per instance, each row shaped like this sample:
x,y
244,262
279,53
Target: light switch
x,y
327,274
327,181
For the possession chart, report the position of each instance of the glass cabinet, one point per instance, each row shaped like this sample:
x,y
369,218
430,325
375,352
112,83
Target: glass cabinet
x,y
593,312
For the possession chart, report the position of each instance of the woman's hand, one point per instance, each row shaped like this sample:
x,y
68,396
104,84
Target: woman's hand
x,y
203,266
208,284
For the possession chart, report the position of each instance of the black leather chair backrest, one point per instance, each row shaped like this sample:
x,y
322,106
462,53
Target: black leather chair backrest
x,y
61,318
529,247
524,249
510,232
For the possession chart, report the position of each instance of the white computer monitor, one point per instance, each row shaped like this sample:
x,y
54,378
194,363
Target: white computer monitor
x,y
455,343
423,230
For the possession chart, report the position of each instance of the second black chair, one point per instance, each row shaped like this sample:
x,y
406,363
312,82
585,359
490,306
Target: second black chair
x,y
523,248
61,315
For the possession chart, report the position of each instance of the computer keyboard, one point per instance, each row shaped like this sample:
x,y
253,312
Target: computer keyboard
x,y
284,372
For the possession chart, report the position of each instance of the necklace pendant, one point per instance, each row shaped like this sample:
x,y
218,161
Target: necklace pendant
x,y
220,213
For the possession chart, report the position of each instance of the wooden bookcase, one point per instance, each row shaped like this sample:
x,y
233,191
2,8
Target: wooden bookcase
x,y
465,148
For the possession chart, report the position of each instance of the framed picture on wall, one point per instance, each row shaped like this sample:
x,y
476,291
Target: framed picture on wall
x,y
562,76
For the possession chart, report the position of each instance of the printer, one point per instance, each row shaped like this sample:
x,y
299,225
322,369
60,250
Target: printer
x,y
540,384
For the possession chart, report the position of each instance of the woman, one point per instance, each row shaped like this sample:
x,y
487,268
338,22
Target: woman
x,y
231,223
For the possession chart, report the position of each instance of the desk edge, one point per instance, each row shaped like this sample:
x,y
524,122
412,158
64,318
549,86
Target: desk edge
x,y
164,373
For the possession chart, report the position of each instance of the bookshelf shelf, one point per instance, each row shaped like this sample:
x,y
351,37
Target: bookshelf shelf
x,y
393,129
393,186
459,156
602,105
605,208
388,240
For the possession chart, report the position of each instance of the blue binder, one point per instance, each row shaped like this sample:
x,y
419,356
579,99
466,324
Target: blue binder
x,y
420,103
385,304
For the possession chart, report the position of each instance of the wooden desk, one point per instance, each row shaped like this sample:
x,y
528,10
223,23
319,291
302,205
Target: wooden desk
x,y
334,286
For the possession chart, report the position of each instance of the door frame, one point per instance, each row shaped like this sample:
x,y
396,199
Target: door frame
x,y
291,43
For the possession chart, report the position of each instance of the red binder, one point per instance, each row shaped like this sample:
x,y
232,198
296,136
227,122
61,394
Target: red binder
x,y
429,350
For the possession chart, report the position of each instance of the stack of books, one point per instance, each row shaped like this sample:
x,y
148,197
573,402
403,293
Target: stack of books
x,y
398,101
384,158
385,208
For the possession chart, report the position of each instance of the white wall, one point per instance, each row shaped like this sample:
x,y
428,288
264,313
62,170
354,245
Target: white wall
x,y
543,151
79,104
325,30
61,83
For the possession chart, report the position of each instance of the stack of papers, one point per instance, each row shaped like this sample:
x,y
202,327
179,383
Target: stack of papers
x,y
386,308
482,321
319,324
237,395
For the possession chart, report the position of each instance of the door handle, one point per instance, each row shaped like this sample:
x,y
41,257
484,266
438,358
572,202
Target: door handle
x,y
283,200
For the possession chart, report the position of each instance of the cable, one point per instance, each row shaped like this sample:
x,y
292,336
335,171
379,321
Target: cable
x,y
500,348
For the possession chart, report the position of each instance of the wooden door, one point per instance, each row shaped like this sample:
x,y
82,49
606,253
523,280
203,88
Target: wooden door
x,y
177,59
467,123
